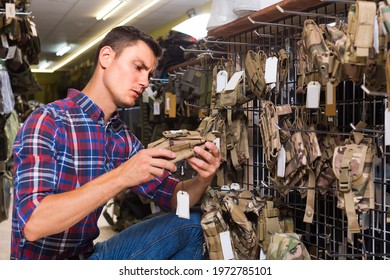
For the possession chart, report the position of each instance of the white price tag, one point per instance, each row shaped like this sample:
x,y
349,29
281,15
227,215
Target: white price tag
x,y
10,10
156,108
313,95
222,80
11,52
271,70
281,162
183,205
226,244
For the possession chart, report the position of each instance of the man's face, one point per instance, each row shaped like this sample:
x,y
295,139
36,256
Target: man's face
x,y
127,76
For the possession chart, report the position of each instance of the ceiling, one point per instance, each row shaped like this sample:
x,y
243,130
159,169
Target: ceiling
x,y
73,22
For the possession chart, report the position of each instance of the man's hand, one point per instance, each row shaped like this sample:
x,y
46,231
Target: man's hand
x,y
206,163
146,165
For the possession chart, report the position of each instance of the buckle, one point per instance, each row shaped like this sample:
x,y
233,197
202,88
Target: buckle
x,y
344,181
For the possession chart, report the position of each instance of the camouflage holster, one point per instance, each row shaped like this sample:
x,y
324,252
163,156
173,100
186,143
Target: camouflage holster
x,y
182,142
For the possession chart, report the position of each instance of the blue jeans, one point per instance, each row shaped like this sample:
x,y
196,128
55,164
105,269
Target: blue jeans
x,y
165,237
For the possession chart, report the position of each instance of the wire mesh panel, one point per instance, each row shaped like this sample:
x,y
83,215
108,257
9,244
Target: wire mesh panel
x,y
327,236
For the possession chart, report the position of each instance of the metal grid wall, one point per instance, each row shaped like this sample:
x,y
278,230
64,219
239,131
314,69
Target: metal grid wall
x,y
326,237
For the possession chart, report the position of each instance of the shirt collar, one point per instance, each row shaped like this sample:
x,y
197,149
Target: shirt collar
x,y
89,107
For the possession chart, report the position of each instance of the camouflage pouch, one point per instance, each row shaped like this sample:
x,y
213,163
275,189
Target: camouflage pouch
x,y
361,18
352,166
268,224
283,67
269,118
234,92
287,246
181,142
255,74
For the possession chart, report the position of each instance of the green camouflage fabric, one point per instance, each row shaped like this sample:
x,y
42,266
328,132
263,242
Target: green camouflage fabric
x,y
287,246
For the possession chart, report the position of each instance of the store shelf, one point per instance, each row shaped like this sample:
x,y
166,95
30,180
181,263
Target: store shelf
x,y
269,14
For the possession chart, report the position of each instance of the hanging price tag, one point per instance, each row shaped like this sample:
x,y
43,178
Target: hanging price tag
x,y
222,80
226,244
183,205
313,95
271,70
10,10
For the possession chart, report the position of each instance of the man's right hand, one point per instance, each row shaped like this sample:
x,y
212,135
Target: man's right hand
x,y
146,165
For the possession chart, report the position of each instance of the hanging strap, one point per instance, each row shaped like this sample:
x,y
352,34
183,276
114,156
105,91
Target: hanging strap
x,y
345,187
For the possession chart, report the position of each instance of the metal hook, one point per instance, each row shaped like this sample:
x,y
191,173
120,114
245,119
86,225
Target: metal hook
x,y
230,43
196,106
202,51
312,130
374,93
294,187
283,11
365,129
340,1
274,24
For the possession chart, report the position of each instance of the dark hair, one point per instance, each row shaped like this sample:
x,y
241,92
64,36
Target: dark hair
x,y
121,37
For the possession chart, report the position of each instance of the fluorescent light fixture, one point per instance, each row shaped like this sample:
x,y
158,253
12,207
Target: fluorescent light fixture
x,y
44,64
110,9
194,26
89,45
63,50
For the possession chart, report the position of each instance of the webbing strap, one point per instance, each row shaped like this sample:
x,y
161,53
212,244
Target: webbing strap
x,y
310,198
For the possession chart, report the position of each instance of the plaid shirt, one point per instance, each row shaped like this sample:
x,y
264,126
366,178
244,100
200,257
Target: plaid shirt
x,y
61,147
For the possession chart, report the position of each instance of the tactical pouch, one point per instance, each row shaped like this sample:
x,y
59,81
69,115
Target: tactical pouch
x,y
254,70
182,142
268,224
287,246
352,166
360,33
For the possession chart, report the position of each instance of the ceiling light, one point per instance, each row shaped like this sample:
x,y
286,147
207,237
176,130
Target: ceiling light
x,y
194,26
89,45
110,9
63,50
44,64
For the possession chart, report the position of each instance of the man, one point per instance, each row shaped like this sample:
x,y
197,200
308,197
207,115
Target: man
x,y
73,155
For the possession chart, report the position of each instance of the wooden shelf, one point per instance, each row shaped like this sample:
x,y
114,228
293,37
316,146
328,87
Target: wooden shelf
x,y
269,14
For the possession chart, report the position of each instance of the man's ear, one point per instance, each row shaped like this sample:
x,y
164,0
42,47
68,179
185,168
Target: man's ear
x,y
106,55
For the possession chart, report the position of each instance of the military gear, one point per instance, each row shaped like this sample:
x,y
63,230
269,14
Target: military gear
x,y
229,212
352,165
287,246
182,142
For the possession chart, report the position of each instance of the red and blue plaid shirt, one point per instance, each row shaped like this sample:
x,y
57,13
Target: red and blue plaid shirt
x,y
61,147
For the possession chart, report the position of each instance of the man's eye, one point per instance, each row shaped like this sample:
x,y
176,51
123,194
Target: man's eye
x,y
138,67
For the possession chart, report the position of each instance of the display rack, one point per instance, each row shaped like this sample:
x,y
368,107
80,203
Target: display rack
x,y
326,236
